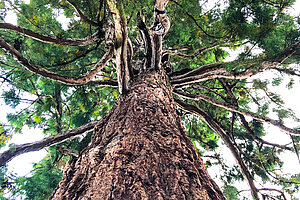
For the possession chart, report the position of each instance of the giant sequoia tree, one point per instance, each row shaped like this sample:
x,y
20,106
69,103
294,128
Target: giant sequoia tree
x,y
145,86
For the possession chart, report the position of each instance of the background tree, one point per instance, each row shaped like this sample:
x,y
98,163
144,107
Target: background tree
x,y
119,50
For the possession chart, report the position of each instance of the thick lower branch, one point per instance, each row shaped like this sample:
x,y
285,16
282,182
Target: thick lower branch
x,y
46,142
48,74
52,40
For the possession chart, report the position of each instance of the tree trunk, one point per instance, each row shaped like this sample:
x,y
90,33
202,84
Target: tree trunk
x,y
141,151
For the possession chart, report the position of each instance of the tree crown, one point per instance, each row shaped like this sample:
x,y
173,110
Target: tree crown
x,y
72,73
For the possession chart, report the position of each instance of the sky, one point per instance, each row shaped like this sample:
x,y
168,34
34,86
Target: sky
x,y
22,165
291,162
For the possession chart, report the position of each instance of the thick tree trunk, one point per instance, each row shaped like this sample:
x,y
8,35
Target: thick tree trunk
x,y
140,152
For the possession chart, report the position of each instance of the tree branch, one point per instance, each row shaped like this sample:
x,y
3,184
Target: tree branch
x,y
48,74
48,39
275,190
287,71
108,83
248,129
121,35
46,142
82,16
125,50
287,53
148,42
209,68
198,75
160,28
236,110
228,88
227,140
220,72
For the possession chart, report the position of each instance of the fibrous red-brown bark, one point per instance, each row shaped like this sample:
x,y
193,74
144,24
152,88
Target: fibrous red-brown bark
x,y
142,152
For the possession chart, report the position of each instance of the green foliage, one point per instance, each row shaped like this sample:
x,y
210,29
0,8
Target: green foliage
x,y
198,130
230,192
3,179
199,35
4,135
11,98
45,173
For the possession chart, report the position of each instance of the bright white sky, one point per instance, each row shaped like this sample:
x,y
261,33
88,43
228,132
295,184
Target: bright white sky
x,y
22,165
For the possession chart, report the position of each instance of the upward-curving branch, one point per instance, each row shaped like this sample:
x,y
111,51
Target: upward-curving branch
x,y
48,74
219,71
52,40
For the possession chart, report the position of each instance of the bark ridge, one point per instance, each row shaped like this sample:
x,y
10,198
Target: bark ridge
x,y
141,153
